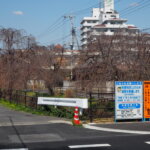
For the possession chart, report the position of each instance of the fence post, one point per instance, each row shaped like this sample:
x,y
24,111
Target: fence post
x,y
16,97
91,114
36,99
98,93
9,91
0,93
25,98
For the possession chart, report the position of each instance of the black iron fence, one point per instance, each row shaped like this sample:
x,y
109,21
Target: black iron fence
x,y
101,105
19,97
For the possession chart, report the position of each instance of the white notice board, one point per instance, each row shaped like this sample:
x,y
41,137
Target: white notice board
x,y
69,102
128,100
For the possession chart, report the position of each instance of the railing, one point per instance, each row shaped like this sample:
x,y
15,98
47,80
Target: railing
x,y
19,97
101,104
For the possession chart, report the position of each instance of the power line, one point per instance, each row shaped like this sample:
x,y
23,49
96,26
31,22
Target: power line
x,y
130,7
57,24
137,8
59,20
49,27
85,9
145,29
56,27
58,39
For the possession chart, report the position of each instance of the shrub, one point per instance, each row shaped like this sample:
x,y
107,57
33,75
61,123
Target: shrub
x,y
69,93
57,92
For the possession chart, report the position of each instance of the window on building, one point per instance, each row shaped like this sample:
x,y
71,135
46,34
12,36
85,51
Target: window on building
x,y
109,12
88,21
113,16
94,21
101,30
112,23
105,30
112,30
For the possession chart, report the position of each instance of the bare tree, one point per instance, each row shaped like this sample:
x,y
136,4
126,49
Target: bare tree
x,y
14,58
50,67
118,57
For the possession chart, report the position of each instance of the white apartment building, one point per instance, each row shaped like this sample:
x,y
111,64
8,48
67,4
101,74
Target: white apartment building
x,y
87,23
104,21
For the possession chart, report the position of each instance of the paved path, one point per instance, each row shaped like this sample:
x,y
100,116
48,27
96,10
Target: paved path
x,y
23,118
24,131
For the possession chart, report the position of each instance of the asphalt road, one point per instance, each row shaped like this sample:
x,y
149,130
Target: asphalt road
x,y
23,131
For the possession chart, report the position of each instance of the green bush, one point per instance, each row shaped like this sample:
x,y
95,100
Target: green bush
x,y
63,112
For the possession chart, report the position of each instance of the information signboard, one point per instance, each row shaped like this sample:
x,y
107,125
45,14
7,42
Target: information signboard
x,y
128,100
146,99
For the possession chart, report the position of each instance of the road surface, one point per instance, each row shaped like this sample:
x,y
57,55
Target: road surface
x,y
24,131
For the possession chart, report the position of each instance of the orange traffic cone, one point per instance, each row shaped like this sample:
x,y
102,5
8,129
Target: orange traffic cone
x,y
76,116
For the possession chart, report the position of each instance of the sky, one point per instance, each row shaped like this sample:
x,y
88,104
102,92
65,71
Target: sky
x,y
44,19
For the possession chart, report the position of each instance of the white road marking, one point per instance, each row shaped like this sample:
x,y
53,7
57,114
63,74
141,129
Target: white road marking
x,y
36,138
89,146
148,142
34,123
60,121
16,149
116,130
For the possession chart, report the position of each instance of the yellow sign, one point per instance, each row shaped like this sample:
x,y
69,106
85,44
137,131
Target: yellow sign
x,y
146,99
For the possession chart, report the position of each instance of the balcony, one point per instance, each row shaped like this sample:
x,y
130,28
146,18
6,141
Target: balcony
x,y
86,24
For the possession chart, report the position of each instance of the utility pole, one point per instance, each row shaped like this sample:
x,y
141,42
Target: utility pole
x,y
73,32
73,39
72,43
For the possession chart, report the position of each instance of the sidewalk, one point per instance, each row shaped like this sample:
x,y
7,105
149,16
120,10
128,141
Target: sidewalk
x,y
123,127
142,126
9,116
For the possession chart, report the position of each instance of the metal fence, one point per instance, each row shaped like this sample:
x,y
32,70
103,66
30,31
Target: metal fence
x,y
19,97
101,105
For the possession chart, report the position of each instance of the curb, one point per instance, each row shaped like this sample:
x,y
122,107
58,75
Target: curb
x,y
87,126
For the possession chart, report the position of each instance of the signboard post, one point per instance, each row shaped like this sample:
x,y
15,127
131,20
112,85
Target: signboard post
x,y
68,102
147,100
128,100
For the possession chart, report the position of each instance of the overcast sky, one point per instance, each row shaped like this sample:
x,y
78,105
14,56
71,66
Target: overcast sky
x,y
44,18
